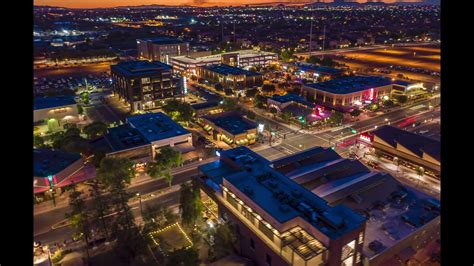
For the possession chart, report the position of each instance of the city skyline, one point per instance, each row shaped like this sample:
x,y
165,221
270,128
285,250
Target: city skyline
x,y
201,3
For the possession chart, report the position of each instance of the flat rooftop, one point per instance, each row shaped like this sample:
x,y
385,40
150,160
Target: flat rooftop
x,y
50,162
156,126
232,122
320,69
140,67
124,137
162,40
278,195
415,143
393,211
217,57
51,102
351,84
204,105
229,70
290,97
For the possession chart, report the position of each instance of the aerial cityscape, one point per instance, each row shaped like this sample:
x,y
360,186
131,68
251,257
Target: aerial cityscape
x,y
221,133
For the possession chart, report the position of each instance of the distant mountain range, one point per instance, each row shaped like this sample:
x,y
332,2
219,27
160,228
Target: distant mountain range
x,y
288,3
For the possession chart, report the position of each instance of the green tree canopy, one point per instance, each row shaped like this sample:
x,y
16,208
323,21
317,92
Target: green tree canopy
x,y
251,93
178,110
336,117
229,104
95,129
225,238
355,112
183,257
115,170
165,161
190,203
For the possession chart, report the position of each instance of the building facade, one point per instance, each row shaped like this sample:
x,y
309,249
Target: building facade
x,y
230,127
161,49
144,85
230,76
349,91
243,58
62,109
279,222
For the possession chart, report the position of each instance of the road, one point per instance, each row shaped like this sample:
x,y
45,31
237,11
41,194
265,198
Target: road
x,y
44,221
295,142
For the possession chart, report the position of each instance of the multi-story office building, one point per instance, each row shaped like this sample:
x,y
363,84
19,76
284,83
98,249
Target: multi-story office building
x,y
144,84
316,208
243,58
400,219
279,221
229,75
161,49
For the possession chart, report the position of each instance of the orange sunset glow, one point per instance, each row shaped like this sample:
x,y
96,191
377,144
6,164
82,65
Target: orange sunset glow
x,y
115,3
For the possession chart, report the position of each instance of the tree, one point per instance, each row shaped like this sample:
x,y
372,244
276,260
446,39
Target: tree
x,y
251,93
286,116
165,161
78,217
219,87
273,110
80,109
190,204
95,129
183,257
85,97
401,98
259,101
336,117
100,205
355,112
228,92
251,115
225,238
72,132
156,216
178,110
56,139
38,141
268,88
287,55
75,144
387,103
113,171
229,104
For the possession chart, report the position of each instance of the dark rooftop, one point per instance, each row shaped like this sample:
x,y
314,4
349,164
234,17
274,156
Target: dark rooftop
x,y
50,102
162,40
51,162
351,84
124,137
156,126
230,70
413,142
290,97
204,105
266,187
232,122
140,67
320,69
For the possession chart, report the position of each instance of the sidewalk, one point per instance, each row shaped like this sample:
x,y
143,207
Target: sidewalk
x,y
62,202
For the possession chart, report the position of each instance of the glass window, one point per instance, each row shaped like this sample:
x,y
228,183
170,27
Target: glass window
x,y
145,80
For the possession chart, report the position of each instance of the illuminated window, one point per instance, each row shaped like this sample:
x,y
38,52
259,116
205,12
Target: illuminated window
x,y
361,238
